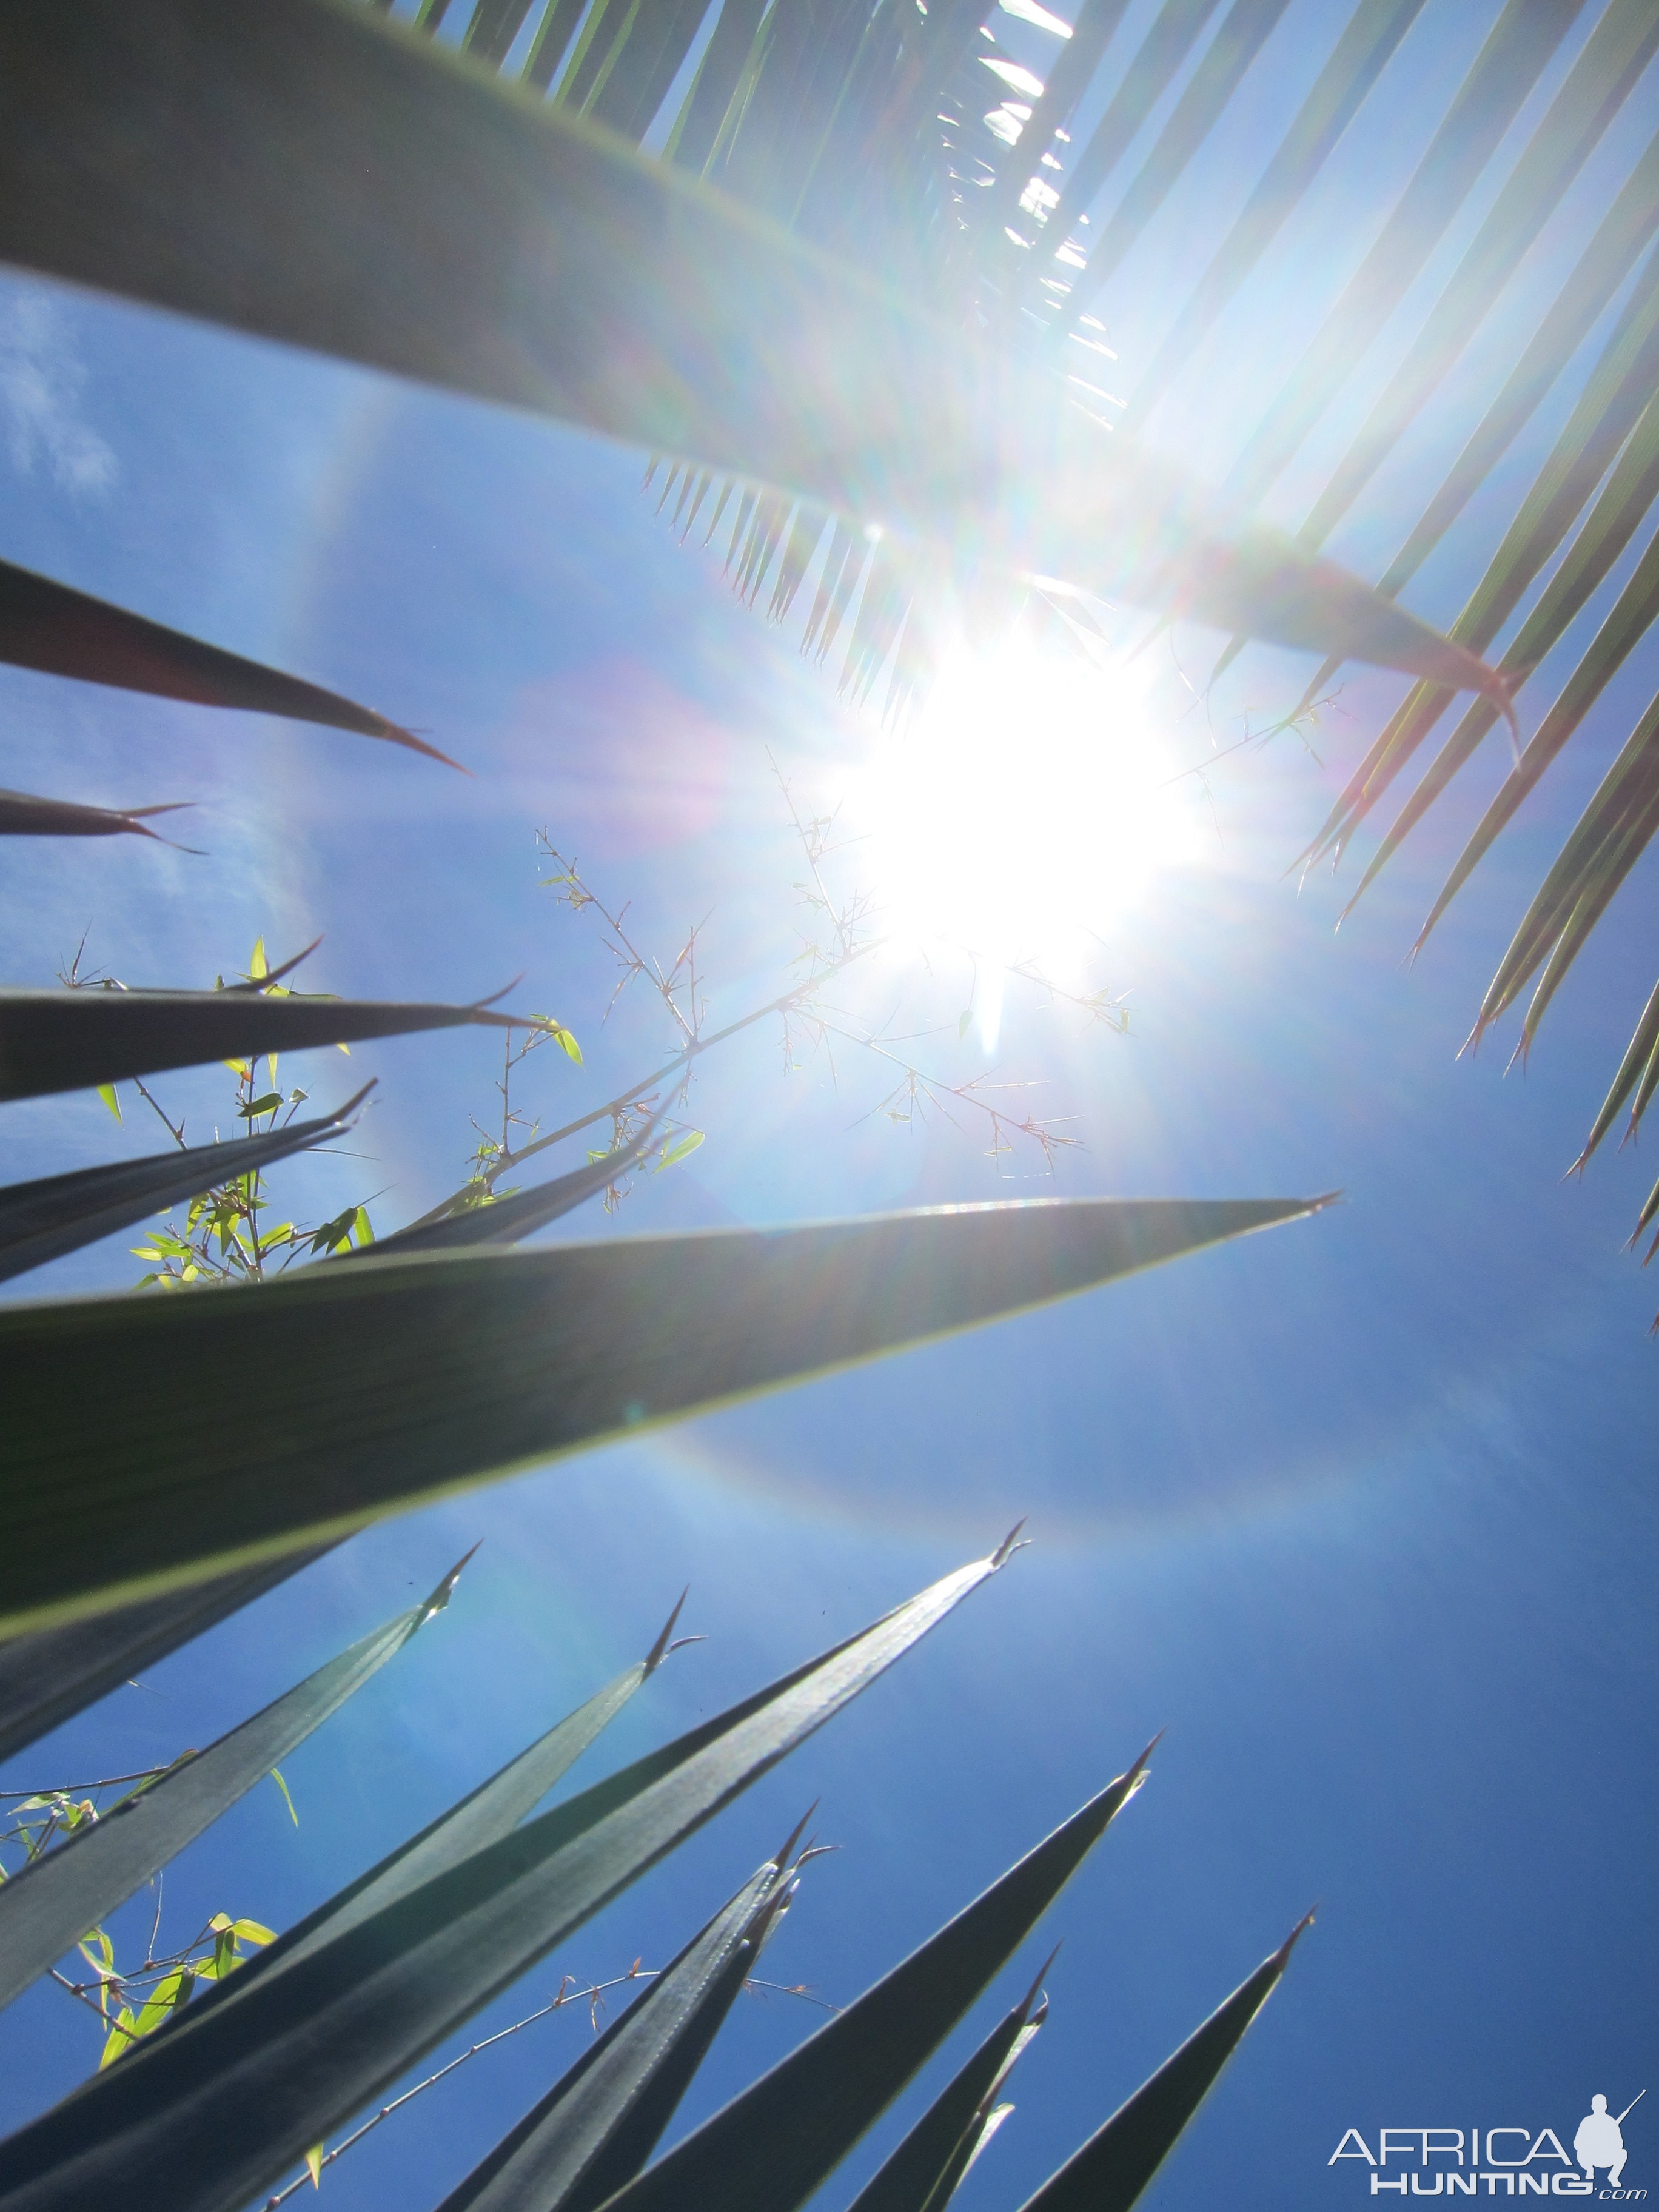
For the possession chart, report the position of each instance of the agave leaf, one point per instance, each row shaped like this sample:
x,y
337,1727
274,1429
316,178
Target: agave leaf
x,y
505,1220
47,1907
62,632
424,1372
1614,56
769,2148
482,1817
22,815
233,2090
70,1039
922,2174
1368,41
60,1213
1116,2163
47,1677
597,2125
511,252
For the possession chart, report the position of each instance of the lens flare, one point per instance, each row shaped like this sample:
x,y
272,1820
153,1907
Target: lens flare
x,y
1021,812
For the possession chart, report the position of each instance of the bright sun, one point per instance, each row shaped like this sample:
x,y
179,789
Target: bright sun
x,y
1021,811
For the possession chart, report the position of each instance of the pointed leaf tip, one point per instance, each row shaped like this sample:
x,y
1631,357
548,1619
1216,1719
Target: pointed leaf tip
x,y
662,1647
445,1589
256,983
1031,1997
1284,1952
780,1857
1005,1550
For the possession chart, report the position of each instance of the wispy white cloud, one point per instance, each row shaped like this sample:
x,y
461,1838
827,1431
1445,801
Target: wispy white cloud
x,y
41,379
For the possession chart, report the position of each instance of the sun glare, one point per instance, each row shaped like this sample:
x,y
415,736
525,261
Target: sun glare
x,y
1021,812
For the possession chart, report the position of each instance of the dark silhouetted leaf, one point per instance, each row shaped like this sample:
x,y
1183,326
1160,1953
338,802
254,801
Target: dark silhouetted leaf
x,y
597,2125
48,1677
1116,2163
424,1372
769,2149
47,1906
921,2175
48,626
23,815
71,1040
235,2088
483,1816
60,1213
519,1214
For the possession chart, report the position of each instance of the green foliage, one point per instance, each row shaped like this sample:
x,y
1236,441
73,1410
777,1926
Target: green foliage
x,y
428,1370
58,1894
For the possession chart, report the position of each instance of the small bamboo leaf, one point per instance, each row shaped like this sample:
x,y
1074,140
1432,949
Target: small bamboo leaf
x,y
682,1150
276,1776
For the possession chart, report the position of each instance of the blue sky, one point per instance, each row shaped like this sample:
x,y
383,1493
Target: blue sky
x,y
1360,1512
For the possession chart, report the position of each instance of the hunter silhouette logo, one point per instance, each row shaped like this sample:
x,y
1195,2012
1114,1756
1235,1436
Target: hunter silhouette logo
x,y
1500,2162
1600,2140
